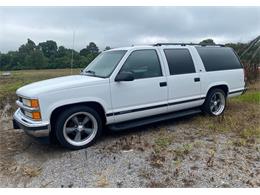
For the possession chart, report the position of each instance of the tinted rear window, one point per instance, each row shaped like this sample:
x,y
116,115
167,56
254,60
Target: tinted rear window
x,y
218,58
179,61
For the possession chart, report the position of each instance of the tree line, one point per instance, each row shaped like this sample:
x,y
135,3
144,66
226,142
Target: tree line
x,y
47,55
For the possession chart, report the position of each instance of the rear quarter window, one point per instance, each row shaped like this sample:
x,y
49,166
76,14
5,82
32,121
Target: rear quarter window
x,y
218,58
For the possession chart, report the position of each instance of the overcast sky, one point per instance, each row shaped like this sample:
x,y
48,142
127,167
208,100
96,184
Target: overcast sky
x,y
124,26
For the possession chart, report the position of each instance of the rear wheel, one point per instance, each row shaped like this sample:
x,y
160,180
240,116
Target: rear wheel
x,y
78,127
215,102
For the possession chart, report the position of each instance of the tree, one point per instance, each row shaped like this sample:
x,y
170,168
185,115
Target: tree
x,y
208,42
87,54
36,60
5,60
28,47
49,48
62,51
49,55
84,52
90,49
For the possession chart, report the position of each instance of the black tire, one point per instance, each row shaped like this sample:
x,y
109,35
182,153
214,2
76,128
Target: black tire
x,y
207,104
65,115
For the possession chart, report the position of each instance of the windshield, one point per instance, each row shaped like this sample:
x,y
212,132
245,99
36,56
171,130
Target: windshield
x,y
104,64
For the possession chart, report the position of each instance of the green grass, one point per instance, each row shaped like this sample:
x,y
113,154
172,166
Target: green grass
x,y
241,118
249,97
250,132
163,142
182,151
9,84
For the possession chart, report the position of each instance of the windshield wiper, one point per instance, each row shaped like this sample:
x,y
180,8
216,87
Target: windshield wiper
x,y
91,72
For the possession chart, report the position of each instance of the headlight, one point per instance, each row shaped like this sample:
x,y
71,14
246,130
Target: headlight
x,y
33,103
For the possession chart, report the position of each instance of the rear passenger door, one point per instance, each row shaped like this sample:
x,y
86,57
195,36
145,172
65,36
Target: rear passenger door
x,y
183,79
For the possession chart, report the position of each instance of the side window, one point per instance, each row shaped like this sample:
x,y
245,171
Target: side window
x,y
218,58
143,64
179,61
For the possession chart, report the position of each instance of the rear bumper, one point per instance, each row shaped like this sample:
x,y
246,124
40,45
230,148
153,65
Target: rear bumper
x,y
33,128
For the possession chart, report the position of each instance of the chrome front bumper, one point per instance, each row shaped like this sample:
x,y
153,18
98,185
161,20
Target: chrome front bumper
x,y
33,128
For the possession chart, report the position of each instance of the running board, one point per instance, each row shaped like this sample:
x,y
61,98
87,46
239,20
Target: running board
x,y
152,119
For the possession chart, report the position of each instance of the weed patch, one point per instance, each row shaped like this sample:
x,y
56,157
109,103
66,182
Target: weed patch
x,y
31,171
252,97
163,142
156,160
250,133
181,151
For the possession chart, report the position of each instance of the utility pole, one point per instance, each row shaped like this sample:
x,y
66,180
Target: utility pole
x,y
72,52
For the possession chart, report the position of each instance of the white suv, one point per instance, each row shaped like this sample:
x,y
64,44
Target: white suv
x,y
128,87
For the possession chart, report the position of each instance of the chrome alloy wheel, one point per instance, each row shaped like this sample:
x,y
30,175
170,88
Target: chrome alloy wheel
x,y
80,128
217,103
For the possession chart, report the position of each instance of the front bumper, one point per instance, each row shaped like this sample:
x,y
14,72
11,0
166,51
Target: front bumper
x,y
33,128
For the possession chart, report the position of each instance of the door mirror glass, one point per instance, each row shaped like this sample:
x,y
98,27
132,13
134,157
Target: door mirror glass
x,y
124,76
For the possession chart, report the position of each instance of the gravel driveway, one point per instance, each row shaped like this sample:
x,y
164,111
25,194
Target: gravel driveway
x,y
169,154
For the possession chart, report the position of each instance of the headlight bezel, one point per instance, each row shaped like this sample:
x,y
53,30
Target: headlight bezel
x,y
30,107
31,103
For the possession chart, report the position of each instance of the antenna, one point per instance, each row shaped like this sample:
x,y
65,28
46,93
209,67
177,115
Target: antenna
x,y
72,52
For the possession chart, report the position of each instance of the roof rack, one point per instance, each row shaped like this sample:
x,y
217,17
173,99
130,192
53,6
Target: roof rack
x,y
184,44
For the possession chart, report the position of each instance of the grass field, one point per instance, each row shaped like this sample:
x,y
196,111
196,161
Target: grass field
x,y
9,84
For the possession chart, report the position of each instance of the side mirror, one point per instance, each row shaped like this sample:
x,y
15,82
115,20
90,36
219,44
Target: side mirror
x,y
81,71
124,76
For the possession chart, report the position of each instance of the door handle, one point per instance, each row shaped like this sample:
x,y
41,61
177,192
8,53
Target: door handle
x,y
197,79
163,84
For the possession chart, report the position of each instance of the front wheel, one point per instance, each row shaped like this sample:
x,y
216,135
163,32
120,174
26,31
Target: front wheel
x,y
215,102
78,127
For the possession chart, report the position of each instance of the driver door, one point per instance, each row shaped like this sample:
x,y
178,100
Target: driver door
x,y
146,95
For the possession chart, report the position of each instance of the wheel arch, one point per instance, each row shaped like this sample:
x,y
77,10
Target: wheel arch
x,y
92,104
222,86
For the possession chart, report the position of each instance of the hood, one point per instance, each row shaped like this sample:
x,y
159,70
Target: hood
x,y
33,90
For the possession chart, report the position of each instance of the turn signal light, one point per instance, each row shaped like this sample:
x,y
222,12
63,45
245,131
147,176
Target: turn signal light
x,y
36,115
34,103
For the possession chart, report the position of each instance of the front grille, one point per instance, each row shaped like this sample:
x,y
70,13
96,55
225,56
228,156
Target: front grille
x,y
22,110
20,99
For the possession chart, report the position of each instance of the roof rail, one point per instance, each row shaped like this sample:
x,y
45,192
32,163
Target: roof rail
x,y
184,44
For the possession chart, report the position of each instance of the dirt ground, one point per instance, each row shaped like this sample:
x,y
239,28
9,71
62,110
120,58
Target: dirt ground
x,y
177,153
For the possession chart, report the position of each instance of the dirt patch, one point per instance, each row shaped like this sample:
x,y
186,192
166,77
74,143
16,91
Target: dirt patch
x,y
189,160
